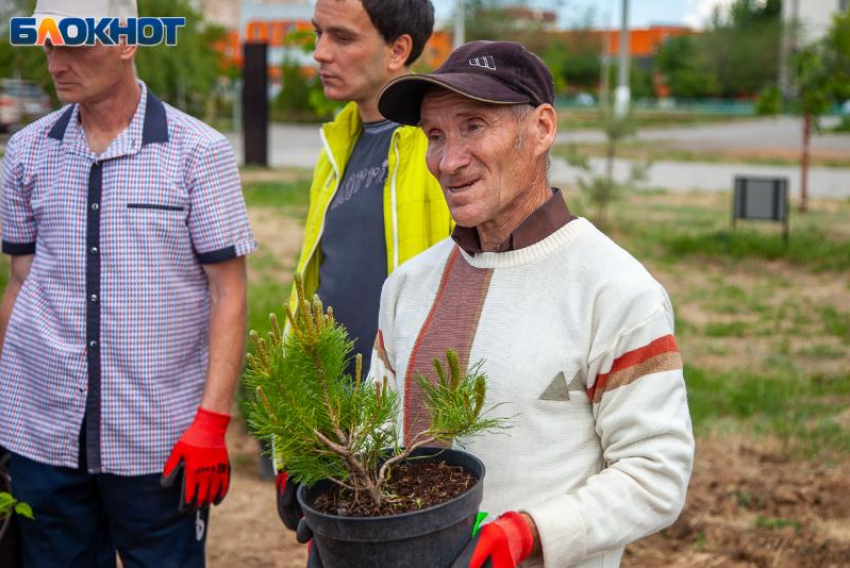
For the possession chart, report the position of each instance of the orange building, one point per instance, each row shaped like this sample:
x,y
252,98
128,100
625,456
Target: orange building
x,y
643,44
436,51
277,34
642,41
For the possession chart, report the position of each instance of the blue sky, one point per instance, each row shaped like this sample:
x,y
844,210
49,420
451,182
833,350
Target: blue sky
x,y
607,12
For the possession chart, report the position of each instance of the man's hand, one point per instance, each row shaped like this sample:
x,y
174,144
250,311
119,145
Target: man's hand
x,y
505,542
202,454
287,505
304,535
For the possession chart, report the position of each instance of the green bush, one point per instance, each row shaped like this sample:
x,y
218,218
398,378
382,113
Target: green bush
x,y
809,246
294,103
844,125
769,102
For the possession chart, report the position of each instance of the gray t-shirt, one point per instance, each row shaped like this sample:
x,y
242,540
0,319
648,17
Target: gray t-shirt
x,y
354,252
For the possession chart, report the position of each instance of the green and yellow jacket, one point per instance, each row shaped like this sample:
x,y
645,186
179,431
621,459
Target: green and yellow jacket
x,y
415,212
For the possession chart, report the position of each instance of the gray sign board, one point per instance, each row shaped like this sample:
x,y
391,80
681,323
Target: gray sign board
x,y
761,199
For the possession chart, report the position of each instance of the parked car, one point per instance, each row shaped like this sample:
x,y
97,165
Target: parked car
x,y
20,102
585,100
11,112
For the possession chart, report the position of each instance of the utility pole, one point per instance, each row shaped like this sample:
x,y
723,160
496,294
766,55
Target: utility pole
x,y
460,24
604,94
622,95
790,28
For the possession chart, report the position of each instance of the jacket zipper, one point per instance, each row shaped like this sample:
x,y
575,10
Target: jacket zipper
x,y
394,199
325,214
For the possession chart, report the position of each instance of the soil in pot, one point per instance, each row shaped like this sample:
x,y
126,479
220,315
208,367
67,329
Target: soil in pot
x,y
415,485
432,536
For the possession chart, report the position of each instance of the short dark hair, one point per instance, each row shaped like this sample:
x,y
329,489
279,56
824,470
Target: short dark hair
x,y
395,18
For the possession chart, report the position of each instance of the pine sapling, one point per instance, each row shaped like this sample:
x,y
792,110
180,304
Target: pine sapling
x,y
329,425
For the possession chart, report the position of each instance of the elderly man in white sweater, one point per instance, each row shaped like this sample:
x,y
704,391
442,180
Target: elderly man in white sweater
x,y
576,336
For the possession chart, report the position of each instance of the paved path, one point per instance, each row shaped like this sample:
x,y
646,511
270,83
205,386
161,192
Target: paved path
x,y
781,133
694,176
298,146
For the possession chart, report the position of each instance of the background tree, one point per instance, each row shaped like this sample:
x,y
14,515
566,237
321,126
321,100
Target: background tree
x,y
822,78
602,191
684,69
574,56
21,62
508,20
184,75
736,56
302,97
837,57
742,48
574,62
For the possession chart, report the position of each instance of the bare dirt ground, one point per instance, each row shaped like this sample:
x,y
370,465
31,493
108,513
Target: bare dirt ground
x,y
245,530
748,506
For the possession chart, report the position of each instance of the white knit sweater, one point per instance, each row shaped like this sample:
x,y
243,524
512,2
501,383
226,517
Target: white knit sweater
x,y
576,340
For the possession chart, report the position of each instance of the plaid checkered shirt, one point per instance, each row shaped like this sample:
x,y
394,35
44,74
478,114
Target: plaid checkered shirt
x,y
107,344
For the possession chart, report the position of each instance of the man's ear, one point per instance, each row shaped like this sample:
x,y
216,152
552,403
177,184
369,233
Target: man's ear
x,y
400,49
128,52
544,128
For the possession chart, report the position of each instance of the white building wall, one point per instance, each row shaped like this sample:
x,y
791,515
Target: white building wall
x,y
814,17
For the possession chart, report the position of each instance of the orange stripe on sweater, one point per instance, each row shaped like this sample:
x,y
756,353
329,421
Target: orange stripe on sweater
x,y
382,351
665,344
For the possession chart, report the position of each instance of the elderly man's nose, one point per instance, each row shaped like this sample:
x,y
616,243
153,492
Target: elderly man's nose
x,y
455,156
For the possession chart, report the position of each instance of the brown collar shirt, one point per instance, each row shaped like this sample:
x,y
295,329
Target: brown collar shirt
x,y
545,220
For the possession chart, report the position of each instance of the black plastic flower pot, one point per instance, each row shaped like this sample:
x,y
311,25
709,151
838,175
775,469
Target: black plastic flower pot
x,y
432,537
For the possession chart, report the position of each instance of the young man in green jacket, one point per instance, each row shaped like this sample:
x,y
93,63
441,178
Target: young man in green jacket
x,y
373,203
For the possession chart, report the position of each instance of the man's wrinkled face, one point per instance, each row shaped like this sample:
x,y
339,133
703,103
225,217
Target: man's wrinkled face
x,y
84,74
478,154
351,52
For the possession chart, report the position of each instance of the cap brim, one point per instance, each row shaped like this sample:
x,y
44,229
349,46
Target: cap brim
x,y
41,16
401,99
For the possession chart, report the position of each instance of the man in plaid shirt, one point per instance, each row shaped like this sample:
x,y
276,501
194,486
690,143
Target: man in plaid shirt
x,y
123,322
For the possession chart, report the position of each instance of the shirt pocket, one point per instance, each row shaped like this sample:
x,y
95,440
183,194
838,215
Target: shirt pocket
x,y
155,207
157,228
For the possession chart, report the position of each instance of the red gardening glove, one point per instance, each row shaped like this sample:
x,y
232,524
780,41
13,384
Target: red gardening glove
x,y
287,505
202,455
505,542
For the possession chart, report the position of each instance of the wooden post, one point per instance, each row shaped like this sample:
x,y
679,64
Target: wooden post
x,y
804,166
255,104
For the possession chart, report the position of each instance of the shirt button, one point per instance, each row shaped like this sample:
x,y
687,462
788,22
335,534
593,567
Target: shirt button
x,y
94,250
95,206
93,297
93,344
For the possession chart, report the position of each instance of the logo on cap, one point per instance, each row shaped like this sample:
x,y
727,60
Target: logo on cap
x,y
485,61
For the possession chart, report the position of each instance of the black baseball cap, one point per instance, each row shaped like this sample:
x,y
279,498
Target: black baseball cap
x,y
497,72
